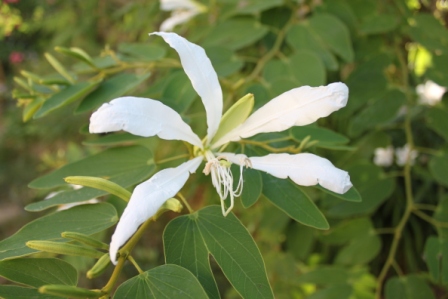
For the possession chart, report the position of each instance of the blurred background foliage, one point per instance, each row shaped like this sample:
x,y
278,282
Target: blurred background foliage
x,y
388,52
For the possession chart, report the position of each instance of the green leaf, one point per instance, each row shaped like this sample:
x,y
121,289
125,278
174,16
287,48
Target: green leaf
x,y
288,197
325,275
339,291
37,272
429,32
438,166
351,195
167,281
257,6
302,37
436,257
253,186
437,71
409,287
379,23
16,292
230,244
66,96
142,51
110,89
76,53
334,33
437,119
374,190
235,34
120,161
224,61
119,138
86,219
183,245
321,135
178,92
360,250
235,116
307,68
381,111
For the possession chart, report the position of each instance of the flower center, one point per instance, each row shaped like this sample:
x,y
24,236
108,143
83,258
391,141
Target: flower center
x,y
222,179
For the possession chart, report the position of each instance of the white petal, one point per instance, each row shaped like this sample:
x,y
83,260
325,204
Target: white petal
x,y
203,77
147,198
168,5
303,169
142,117
178,17
297,107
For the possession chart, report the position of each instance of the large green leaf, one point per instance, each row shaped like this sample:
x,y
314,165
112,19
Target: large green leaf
x,y
409,287
16,292
114,87
429,31
373,188
235,34
338,291
379,23
224,61
334,34
37,272
167,281
230,244
302,37
380,112
438,166
288,197
252,188
184,246
178,92
66,96
437,119
111,163
86,219
142,51
308,68
436,257
324,137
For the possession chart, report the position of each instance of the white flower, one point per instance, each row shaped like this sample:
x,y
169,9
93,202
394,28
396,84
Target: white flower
x,y
147,117
182,11
384,156
404,154
430,93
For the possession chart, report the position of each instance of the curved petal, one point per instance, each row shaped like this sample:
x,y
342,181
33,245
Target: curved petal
x,y
203,77
297,107
177,17
168,5
147,198
303,169
142,117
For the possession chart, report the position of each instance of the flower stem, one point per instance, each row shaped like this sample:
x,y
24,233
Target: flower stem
x,y
185,202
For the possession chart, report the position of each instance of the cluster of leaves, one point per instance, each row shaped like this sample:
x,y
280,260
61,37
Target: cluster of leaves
x,y
315,244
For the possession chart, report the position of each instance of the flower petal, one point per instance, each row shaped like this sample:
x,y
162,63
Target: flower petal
x,y
203,77
178,17
303,169
297,107
142,117
147,198
168,5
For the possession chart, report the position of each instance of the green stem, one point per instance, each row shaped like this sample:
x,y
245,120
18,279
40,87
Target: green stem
x,y
131,259
185,202
407,181
430,219
172,158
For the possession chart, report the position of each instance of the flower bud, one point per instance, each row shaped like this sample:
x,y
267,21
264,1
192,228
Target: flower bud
x,y
85,240
69,291
101,184
64,248
171,204
99,267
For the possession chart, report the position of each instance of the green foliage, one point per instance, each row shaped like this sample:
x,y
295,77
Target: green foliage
x,y
385,238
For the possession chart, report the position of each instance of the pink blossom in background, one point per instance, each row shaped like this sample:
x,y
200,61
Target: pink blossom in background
x,y
16,57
